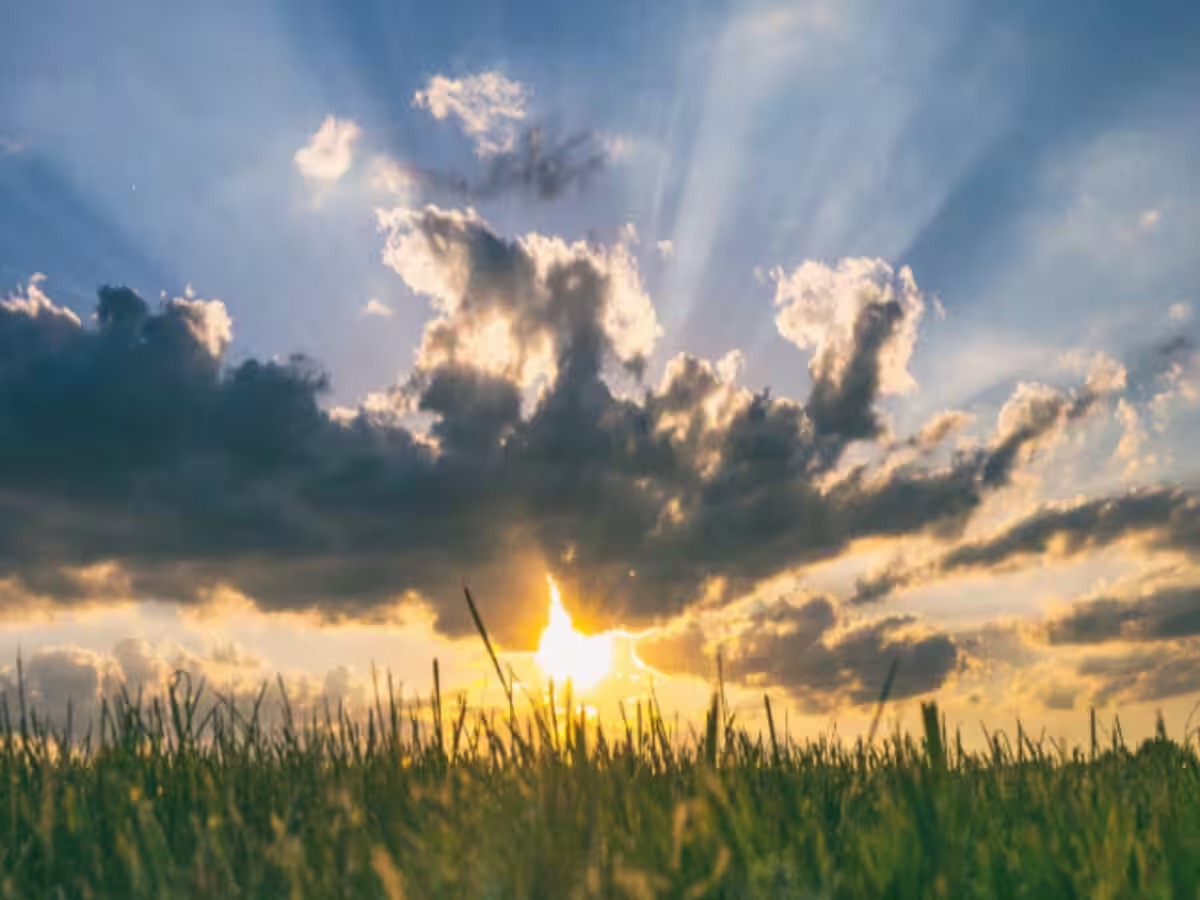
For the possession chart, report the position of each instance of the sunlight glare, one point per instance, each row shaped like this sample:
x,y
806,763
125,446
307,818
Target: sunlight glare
x,y
564,653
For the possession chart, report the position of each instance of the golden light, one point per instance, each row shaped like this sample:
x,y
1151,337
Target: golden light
x,y
564,653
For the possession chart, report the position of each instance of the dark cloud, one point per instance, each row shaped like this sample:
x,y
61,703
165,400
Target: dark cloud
x,y
844,404
860,318
543,164
1160,614
56,678
1143,676
811,651
134,442
1167,518
1161,518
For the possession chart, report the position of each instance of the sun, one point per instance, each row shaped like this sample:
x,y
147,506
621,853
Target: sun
x,y
565,654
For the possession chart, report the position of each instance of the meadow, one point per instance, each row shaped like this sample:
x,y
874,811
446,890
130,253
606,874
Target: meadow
x,y
421,801
186,794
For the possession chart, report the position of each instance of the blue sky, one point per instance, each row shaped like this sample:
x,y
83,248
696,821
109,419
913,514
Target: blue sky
x,y
1034,166
155,142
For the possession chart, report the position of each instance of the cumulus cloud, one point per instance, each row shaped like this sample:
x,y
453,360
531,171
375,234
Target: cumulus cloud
x,y
942,426
488,106
329,152
34,304
518,308
135,446
1105,375
860,320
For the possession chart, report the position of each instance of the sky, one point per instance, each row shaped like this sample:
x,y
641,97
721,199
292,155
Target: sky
x,y
823,337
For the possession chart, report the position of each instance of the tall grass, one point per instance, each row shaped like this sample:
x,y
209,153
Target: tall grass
x,y
186,794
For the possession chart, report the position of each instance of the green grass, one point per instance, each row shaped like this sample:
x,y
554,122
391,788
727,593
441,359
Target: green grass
x,y
180,796
187,794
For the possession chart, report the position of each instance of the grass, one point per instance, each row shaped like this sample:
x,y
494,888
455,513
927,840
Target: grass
x,y
187,795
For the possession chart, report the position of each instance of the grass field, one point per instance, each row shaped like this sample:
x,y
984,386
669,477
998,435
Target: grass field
x,y
179,796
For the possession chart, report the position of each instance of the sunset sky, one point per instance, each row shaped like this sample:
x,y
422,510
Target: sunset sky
x,y
823,335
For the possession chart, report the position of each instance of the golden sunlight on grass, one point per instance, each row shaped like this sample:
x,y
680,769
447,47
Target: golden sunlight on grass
x,y
564,653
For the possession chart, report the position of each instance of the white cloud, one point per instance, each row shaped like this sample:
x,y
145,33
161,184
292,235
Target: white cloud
x,y
730,366
666,249
488,106
329,152
1179,312
34,302
819,306
1149,219
503,312
209,321
376,307
1105,375
1130,448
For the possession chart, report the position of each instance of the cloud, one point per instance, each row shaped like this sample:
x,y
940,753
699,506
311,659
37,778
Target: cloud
x,y
135,448
1179,312
518,308
329,152
1105,375
1133,439
33,304
1159,613
62,679
396,178
376,307
488,106
1161,518
810,649
860,320
543,163
937,430
1142,675
538,159
666,249
58,677
1149,219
